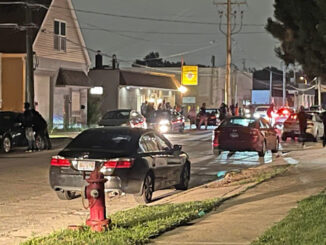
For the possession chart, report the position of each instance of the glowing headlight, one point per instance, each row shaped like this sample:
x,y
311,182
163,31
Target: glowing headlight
x,y
163,128
246,111
256,115
164,122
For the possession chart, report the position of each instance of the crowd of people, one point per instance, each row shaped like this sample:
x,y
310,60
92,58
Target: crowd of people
x,y
148,108
35,125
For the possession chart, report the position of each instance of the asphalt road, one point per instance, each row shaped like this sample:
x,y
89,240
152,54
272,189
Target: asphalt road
x,y
28,206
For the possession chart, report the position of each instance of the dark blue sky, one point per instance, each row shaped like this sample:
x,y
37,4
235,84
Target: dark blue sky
x,y
130,38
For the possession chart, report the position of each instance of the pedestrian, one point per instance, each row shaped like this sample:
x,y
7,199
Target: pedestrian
x,y
164,105
232,109
270,112
41,129
323,117
143,108
302,116
192,115
203,116
28,119
236,109
223,111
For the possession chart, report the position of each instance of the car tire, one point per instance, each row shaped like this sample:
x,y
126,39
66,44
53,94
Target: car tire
x,y
184,178
315,139
66,195
262,152
6,144
147,191
284,137
39,142
277,144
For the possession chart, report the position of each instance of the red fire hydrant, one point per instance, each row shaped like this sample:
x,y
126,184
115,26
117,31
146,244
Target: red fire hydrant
x,y
96,199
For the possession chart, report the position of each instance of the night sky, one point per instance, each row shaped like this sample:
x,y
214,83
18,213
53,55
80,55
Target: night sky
x,y
132,38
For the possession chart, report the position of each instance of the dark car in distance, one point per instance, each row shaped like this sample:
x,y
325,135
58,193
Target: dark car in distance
x,y
166,121
12,133
133,160
123,117
245,134
212,117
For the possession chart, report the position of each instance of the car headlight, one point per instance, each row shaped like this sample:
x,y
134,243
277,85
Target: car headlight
x,y
163,128
164,122
256,115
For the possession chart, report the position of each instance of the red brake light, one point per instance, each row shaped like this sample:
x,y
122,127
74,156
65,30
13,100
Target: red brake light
x,y
215,140
119,163
60,161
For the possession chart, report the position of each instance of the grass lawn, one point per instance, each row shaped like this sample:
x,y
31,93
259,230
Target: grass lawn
x,y
134,226
305,224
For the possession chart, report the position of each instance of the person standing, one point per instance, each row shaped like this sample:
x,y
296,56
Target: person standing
x,y
302,116
143,108
28,119
203,116
223,111
192,115
323,117
236,110
232,110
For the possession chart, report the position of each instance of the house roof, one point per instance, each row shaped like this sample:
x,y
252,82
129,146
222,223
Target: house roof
x,y
140,79
72,78
13,37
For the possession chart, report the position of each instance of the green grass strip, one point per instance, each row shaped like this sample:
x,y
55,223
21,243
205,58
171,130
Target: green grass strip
x,y
134,226
305,224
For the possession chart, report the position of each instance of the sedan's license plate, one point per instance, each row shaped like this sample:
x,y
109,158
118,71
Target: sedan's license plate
x,y
234,135
86,165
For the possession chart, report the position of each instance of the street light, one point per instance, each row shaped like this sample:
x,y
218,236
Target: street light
x,y
182,89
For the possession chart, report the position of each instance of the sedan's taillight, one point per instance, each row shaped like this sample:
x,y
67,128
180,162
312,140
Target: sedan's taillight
x,y
119,163
60,161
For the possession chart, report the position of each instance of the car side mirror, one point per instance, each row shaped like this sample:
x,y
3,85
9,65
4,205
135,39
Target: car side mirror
x,y
177,147
19,124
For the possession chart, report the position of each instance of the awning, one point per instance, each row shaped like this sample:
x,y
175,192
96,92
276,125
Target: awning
x,y
73,78
150,80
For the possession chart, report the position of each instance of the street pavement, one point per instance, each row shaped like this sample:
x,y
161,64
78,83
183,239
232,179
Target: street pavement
x,y
28,205
243,219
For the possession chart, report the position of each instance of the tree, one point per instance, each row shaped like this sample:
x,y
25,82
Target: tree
x,y
153,60
300,25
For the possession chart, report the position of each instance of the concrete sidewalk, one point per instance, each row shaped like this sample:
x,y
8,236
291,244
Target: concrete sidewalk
x,y
244,218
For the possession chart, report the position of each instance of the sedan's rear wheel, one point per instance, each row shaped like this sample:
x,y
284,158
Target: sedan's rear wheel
x,y
6,144
66,195
184,178
147,192
263,150
39,142
277,144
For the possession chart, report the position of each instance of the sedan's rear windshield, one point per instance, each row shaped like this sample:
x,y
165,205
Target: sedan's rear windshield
x,y
239,122
6,120
102,140
117,115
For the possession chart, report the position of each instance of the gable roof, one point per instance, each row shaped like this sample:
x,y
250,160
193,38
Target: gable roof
x,y
139,79
13,37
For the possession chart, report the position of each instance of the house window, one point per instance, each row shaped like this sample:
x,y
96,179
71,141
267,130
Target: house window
x,y
60,35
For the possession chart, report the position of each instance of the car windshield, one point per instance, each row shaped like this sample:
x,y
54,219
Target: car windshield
x,y
117,115
211,111
106,141
261,109
239,122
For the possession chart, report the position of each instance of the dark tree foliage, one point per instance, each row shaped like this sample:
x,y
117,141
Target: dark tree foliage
x,y
153,60
300,25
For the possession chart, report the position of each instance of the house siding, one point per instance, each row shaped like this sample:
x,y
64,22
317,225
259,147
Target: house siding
x,y
44,43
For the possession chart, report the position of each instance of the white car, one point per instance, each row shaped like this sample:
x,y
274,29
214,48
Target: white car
x,y
261,112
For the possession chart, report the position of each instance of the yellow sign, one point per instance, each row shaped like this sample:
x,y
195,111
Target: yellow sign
x,y
189,75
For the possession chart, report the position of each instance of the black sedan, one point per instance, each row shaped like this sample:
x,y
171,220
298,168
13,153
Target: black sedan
x,y
123,117
12,132
135,161
212,117
166,121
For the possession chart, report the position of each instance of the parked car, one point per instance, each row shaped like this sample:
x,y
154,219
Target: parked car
x,y
261,112
128,117
213,115
135,161
245,134
165,121
281,115
12,133
315,127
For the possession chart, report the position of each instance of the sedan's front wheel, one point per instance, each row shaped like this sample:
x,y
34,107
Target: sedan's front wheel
x,y
147,192
6,144
263,150
184,178
66,195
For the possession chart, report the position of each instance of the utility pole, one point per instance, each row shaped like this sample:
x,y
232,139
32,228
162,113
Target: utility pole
x,y
229,31
319,91
284,83
29,95
270,85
